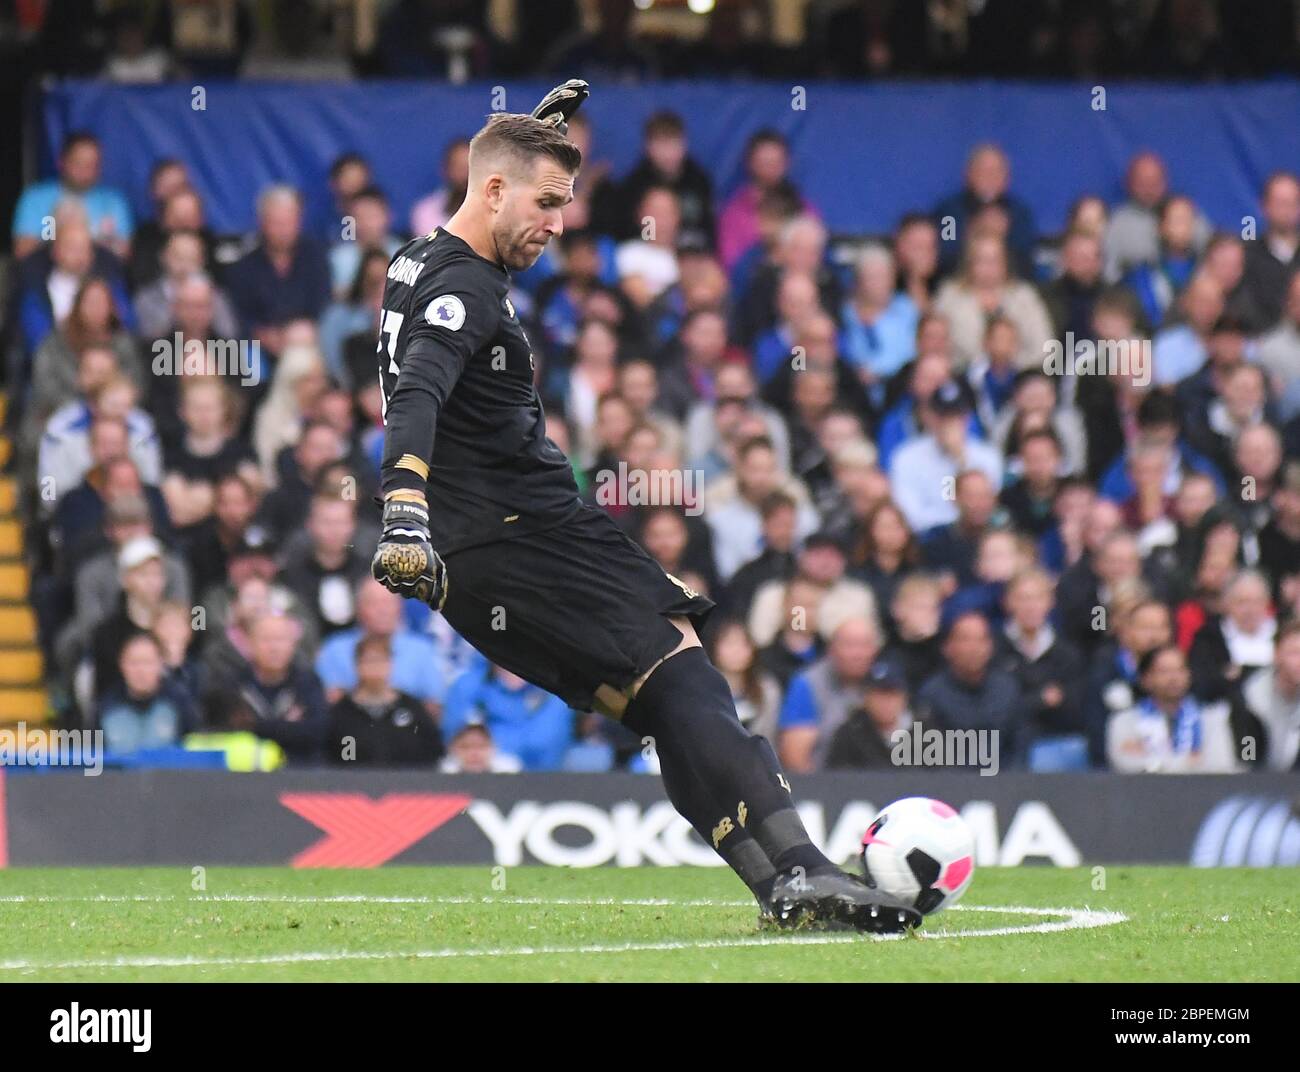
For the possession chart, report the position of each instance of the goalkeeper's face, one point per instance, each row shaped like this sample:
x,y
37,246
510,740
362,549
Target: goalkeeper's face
x,y
530,212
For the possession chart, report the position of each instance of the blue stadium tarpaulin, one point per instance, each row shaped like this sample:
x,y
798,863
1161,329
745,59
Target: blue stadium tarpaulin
x,y
863,154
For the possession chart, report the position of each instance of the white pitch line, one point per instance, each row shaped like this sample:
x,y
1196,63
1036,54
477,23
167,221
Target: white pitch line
x,y
362,898
1076,919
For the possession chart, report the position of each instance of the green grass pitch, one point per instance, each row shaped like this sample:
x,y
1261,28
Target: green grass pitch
x,y
677,924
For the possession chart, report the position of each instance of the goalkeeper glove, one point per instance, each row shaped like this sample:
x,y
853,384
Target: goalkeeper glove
x,y
559,104
405,562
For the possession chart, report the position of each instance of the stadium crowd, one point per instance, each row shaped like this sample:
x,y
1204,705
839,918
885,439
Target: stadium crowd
x,y
958,475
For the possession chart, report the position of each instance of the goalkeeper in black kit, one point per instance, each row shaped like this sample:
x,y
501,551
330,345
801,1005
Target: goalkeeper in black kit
x,y
482,521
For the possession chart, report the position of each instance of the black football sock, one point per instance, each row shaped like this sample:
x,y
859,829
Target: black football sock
x,y
686,706
688,793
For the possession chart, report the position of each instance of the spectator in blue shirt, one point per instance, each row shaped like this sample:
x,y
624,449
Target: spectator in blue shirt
x,y
1179,351
107,213
416,668
143,711
879,323
524,720
820,699
1158,284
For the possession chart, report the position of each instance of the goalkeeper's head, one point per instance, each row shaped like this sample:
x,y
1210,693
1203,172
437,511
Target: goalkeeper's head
x,y
521,175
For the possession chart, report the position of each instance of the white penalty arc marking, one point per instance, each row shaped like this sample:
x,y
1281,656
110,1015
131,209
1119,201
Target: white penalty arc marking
x,y
1072,919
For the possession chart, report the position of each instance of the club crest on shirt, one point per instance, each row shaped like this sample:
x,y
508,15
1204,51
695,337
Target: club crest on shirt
x,y
446,311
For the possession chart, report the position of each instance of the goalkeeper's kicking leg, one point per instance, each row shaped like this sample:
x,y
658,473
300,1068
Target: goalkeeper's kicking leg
x,y
729,786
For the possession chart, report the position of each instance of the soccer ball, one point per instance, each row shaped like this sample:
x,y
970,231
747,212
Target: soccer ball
x,y
921,851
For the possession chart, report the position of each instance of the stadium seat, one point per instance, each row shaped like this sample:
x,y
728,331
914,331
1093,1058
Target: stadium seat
x,y
1057,754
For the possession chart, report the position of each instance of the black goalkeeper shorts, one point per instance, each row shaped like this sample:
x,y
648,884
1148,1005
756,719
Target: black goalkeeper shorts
x,y
571,608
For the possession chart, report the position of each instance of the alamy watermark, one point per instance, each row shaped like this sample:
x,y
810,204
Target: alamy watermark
x,y
1130,358
651,487
41,747
211,357
918,747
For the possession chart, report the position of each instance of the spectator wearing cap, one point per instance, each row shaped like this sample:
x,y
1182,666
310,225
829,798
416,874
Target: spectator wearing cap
x,y
819,700
142,710
1273,257
140,569
666,162
285,276
473,751
923,472
1170,731
524,720
987,183
412,657
866,739
97,585
1272,697
1048,668
734,515
283,698
1158,282
971,693
376,725
80,171
903,419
